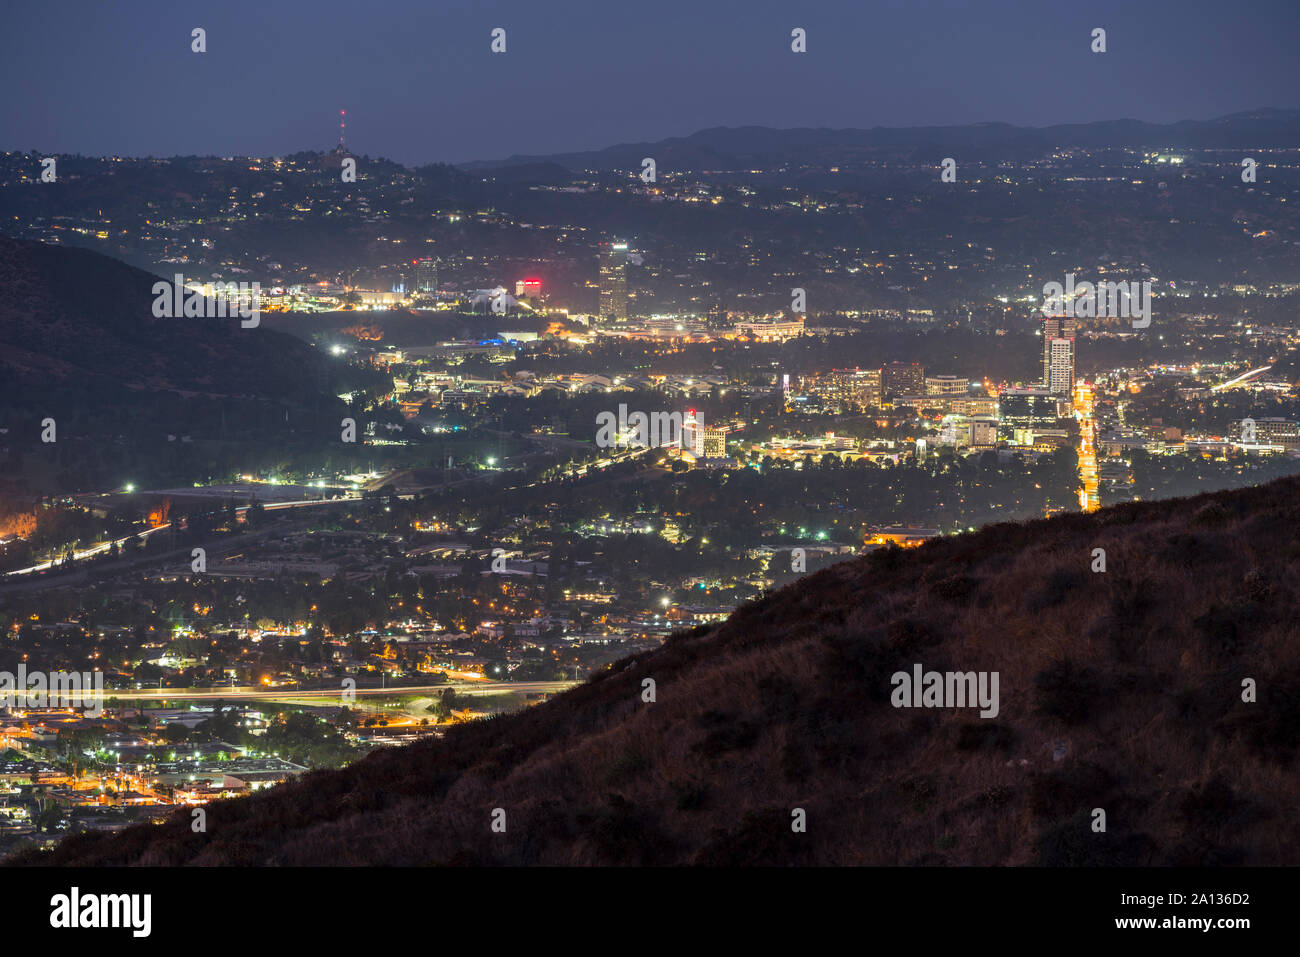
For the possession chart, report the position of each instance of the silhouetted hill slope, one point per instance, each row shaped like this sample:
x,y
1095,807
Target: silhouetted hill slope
x,y
1119,690
154,400
72,318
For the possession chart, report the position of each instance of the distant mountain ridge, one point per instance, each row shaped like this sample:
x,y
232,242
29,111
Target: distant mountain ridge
x,y
722,147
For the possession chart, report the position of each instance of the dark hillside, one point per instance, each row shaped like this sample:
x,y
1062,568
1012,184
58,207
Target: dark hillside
x,y
1119,690
79,344
74,320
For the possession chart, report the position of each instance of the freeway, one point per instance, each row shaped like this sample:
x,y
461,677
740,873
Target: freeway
x,y
1239,380
143,535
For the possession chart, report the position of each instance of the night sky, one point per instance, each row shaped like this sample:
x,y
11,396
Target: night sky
x,y
420,84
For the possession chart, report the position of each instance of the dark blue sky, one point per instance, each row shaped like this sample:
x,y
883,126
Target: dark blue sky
x,y
419,83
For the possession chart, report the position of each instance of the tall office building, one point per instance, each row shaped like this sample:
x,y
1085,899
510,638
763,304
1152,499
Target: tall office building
x,y
844,388
701,441
1026,409
717,317
1060,367
613,281
902,378
426,275
1058,355
692,433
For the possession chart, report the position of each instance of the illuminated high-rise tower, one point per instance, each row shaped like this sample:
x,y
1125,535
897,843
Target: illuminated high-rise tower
x,y
692,433
1058,355
1060,367
902,378
426,275
613,281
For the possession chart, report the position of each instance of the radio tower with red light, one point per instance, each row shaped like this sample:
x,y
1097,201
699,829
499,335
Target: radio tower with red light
x,y
342,128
